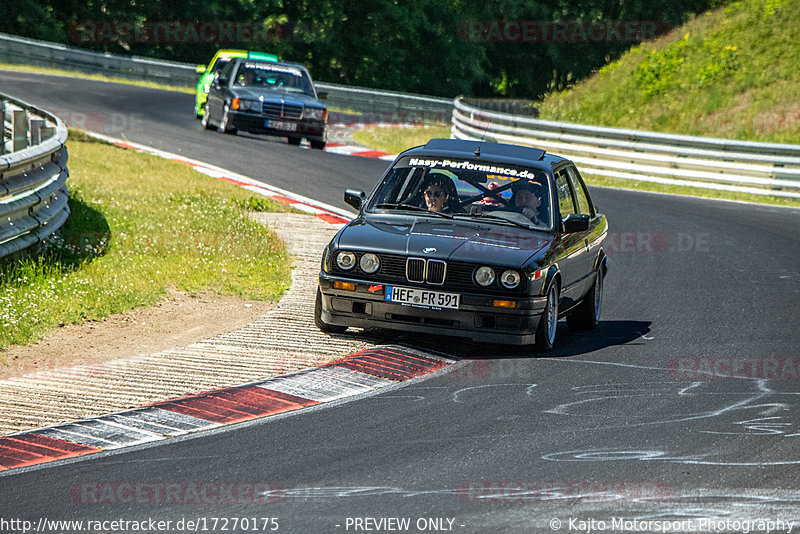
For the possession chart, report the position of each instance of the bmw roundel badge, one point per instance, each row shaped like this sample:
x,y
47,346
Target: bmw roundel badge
x,y
429,250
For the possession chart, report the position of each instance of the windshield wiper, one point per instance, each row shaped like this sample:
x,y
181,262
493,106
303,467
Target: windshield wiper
x,y
410,207
498,218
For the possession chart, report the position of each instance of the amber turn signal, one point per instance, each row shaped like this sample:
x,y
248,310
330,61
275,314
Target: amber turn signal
x,y
504,304
346,286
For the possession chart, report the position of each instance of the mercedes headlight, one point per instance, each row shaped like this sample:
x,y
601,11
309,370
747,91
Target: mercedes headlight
x,y
316,114
484,276
249,105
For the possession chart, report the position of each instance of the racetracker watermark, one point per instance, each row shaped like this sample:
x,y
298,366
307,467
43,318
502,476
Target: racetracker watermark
x,y
655,242
175,32
616,242
161,493
570,491
736,367
568,31
621,524
114,124
765,122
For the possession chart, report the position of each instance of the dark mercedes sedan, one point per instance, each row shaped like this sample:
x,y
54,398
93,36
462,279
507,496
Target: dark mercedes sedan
x,y
488,241
266,97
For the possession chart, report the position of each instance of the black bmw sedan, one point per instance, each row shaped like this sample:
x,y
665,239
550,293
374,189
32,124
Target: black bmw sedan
x,y
488,241
267,97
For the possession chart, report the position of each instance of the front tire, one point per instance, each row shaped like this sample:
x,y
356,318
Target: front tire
x,y
318,145
323,326
205,120
587,315
225,123
546,332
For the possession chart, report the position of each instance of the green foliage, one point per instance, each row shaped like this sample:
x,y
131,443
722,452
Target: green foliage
x,y
437,47
728,73
658,72
721,61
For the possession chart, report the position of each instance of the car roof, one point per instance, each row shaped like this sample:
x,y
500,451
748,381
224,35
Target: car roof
x,y
279,63
489,151
234,53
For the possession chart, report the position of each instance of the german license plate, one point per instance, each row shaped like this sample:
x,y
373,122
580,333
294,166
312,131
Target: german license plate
x,y
422,297
281,125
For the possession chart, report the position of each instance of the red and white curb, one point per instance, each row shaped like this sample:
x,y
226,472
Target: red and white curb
x,y
350,150
363,372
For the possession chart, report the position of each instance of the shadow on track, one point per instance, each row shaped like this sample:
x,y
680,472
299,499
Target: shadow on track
x,y
568,342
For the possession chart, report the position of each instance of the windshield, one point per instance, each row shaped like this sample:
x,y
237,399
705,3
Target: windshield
x,y
460,188
278,77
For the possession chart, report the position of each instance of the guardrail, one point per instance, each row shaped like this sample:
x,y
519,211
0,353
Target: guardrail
x,y
33,175
371,105
710,163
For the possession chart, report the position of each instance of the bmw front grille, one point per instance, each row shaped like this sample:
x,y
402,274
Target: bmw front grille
x,y
420,270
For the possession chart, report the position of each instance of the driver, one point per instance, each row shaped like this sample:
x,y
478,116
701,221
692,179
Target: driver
x,y
527,199
439,193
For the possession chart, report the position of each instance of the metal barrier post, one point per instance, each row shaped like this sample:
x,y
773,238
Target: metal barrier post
x,y
36,131
19,127
2,126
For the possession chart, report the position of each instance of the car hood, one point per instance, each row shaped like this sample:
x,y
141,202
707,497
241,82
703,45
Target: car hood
x,y
454,240
267,95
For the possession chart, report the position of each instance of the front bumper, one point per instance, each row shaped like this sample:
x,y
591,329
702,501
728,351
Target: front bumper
x,y
256,123
476,317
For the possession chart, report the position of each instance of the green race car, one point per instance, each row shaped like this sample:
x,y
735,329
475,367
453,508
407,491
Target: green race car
x,y
220,59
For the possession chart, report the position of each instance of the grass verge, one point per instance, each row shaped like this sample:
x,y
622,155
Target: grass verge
x,y
139,225
395,139
634,185
98,77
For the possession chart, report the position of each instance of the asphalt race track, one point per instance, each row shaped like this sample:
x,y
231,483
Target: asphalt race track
x,y
636,421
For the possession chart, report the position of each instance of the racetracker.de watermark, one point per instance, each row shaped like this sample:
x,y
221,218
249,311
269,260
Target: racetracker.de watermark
x,y
161,493
736,367
174,32
114,124
568,31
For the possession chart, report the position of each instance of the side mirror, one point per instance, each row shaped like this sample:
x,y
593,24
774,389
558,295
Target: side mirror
x,y
322,95
576,222
355,198
200,69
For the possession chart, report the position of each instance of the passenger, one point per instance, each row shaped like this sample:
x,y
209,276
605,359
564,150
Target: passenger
x,y
440,193
248,77
489,199
527,199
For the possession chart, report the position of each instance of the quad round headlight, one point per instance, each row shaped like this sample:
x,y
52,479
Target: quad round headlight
x,y
510,279
346,260
369,263
484,276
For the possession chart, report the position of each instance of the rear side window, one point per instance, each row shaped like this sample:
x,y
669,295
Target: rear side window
x,y
227,70
565,202
584,206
